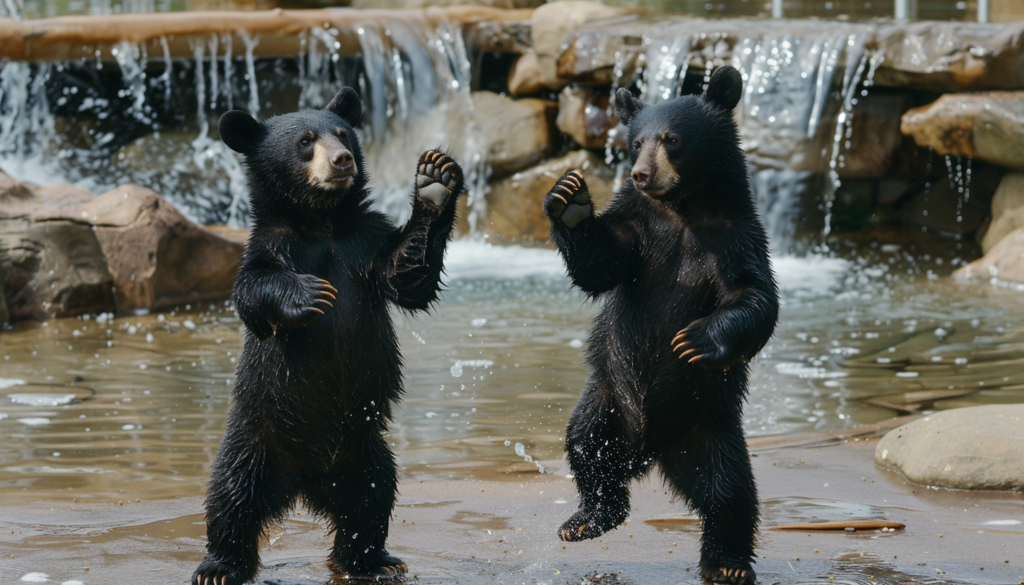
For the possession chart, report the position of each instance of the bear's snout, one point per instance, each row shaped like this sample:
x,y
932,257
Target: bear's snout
x,y
332,166
653,172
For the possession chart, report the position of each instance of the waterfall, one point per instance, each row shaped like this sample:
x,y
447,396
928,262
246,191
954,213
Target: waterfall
x,y
154,123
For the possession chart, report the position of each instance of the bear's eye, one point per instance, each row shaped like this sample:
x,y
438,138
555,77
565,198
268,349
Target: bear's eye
x,y
636,145
671,140
340,132
305,141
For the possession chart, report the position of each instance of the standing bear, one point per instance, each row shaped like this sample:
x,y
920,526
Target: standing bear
x,y
681,259
320,366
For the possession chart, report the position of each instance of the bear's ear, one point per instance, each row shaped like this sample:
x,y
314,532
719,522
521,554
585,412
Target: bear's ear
x,y
627,106
347,106
725,88
239,131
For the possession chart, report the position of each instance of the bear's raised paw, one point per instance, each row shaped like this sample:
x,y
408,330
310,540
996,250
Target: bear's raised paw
x,y
569,200
438,177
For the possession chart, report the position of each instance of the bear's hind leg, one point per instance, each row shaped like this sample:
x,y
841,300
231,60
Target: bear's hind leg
x,y
246,493
603,460
712,471
357,496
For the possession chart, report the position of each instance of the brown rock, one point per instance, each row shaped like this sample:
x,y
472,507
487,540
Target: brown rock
x,y
158,257
584,113
507,37
945,125
517,133
1006,10
1007,210
876,136
524,78
940,207
1003,263
999,130
515,205
966,448
65,251
552,23
51,266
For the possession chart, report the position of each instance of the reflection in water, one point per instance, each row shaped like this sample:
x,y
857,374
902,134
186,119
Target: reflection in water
x,y
106,407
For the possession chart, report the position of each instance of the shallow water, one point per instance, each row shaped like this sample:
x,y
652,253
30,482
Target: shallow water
x,y
105,408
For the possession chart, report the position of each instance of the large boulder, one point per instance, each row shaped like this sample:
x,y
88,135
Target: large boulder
x,y
517,133
524,76
1007,210
65,251
985,126
1004,263
515,205
980,447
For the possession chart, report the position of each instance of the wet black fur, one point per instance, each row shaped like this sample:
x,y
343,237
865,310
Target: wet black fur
x,y
312,402
697,257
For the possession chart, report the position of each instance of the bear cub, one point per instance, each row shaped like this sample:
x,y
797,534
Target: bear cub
x,y
681,260
320,364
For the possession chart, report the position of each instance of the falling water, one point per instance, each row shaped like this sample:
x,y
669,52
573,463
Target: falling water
x,y
414,80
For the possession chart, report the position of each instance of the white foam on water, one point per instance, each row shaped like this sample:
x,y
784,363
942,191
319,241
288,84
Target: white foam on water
x,y
809,274
42,399
34,422
472,259
804,371
35,578
8,382
1002,523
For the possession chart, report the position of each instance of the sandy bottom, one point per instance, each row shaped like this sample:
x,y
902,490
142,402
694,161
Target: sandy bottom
x,y
503,530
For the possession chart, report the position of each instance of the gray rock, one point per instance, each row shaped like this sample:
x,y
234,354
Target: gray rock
x,y
552,24
584,113
968,448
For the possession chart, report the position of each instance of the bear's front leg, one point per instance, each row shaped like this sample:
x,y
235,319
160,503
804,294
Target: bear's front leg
x,y
568,201
271,298
701,342
438,177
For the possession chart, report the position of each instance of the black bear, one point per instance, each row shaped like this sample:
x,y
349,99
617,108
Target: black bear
x,y
320,366
681,259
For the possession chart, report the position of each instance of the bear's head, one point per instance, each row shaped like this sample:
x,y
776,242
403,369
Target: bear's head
x,y
309,158
675,146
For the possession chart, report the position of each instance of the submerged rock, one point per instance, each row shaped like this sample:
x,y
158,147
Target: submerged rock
x,y
980,447
1003,263
65,251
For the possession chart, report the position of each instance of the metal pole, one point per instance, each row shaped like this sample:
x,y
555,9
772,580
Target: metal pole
x,y
906,9
982,10
777,9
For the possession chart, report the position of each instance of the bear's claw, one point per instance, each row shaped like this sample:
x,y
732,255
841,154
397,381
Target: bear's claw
x,y
569,200
438,177
314,297
215,573
730,575
586,524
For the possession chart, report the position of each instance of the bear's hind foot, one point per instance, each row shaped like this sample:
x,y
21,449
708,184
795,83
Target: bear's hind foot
x,y
213,572
385,568
587,524
730,575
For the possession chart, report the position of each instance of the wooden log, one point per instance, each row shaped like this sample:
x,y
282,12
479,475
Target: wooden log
x,y
68,38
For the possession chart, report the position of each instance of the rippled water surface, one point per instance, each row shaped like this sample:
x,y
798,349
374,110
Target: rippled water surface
x,y
134,406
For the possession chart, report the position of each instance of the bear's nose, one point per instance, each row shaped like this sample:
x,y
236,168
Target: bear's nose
x,y
341,159
640,177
